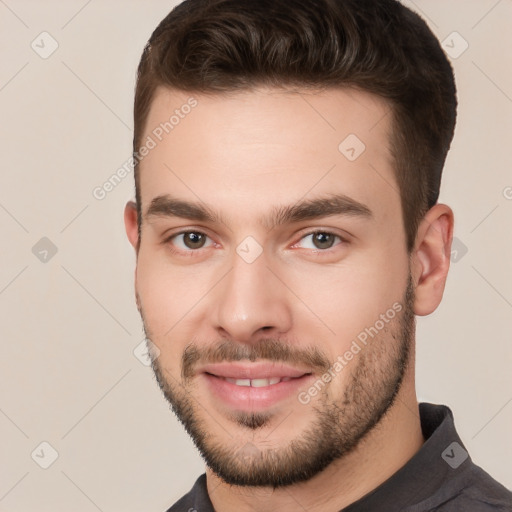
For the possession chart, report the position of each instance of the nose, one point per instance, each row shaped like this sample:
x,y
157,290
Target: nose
x,y
250,302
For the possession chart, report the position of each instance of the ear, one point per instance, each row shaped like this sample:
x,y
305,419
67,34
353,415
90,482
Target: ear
x,y
131,225
132,231
431,258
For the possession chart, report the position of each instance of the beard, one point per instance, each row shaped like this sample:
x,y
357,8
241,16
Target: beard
x,y
339,423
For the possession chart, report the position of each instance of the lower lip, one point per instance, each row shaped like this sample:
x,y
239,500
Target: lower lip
x,y
247,398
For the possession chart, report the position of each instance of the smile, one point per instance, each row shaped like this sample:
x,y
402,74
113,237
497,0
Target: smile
x,y
256,383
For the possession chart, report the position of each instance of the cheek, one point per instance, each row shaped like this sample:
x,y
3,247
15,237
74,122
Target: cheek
x,y
349,297
175,302
166,297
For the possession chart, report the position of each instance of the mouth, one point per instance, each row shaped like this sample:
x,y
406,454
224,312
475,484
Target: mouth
x,y
259,371
255,383
254,386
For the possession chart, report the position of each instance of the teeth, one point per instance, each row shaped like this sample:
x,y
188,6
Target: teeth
x,y
239,382
257,383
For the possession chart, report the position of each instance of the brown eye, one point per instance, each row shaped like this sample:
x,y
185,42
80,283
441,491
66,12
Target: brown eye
x,y
188,242
193,239
320,241
323,240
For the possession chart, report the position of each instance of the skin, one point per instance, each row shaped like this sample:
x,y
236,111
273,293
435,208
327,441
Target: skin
x,y
243,155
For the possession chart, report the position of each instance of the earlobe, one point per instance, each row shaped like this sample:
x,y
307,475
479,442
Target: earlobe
x,y
431,258
131,224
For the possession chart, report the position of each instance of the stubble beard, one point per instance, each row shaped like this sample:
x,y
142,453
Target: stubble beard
x,y
338,426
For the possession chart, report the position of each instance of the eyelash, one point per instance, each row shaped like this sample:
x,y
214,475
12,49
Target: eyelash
x,y
193,252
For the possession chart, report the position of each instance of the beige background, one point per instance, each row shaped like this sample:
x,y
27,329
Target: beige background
x,y
70,326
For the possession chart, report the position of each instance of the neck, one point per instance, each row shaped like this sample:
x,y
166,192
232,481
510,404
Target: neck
x,y
379,455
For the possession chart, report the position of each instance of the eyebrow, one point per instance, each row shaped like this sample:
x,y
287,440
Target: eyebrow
x,y
310,209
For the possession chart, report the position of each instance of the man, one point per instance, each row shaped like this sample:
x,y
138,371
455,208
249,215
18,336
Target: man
x,y
288,162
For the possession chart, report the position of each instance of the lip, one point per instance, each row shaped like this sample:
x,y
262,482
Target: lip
x,y
253,399
253,370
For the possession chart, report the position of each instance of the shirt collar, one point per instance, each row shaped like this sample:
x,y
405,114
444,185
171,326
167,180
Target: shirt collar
x,y
441,459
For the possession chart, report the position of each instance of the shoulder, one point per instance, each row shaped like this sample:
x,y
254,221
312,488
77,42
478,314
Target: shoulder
x,y
196,500
477,492
185,504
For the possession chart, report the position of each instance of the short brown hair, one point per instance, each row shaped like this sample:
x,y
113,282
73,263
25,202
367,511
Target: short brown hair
x,y
379,46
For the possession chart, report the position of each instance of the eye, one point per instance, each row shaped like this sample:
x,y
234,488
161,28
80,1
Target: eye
x,y
190,240
319,240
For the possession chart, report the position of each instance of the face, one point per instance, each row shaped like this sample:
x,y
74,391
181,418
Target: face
x,y
273,276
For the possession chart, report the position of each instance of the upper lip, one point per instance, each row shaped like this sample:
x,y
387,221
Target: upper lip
x,y
252,370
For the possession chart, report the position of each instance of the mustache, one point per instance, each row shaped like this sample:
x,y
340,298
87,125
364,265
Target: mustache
x,y
267,348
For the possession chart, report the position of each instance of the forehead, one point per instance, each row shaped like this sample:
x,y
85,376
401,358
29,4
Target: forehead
x,y
320,112
267,147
